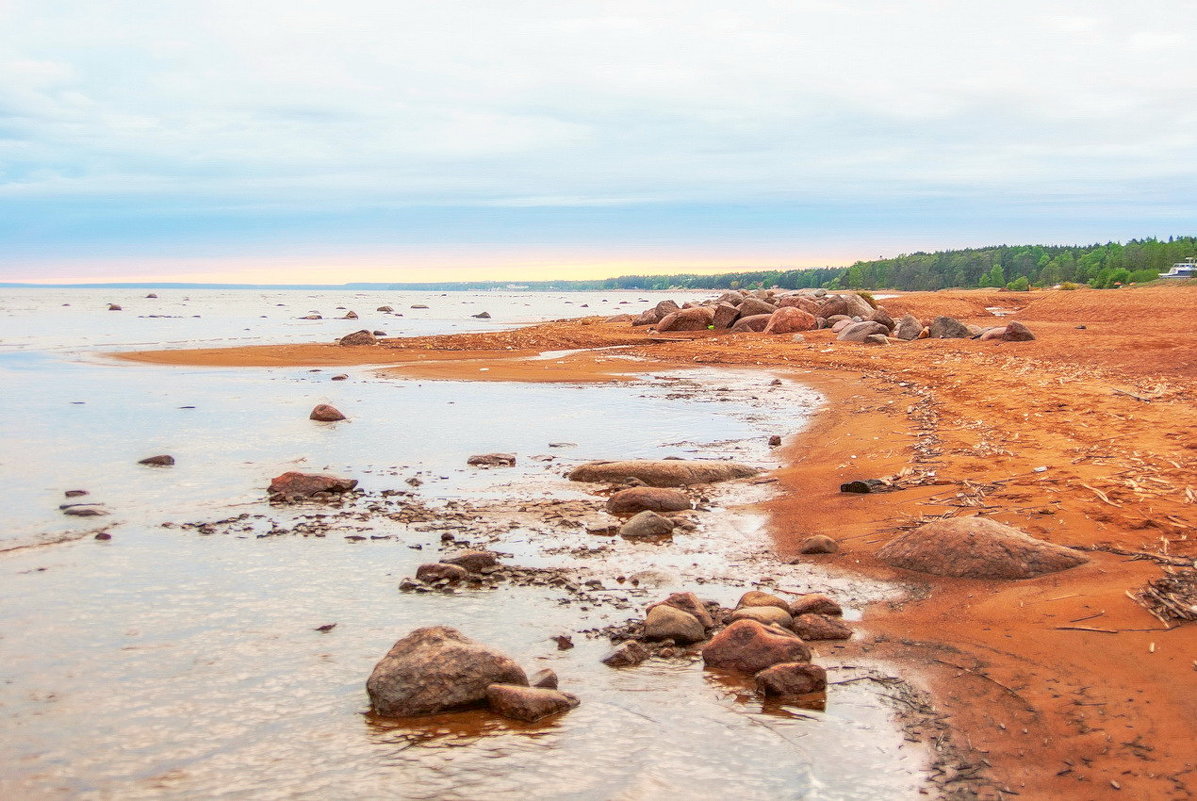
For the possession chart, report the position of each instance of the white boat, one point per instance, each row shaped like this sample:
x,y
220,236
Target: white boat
x,y
1182,269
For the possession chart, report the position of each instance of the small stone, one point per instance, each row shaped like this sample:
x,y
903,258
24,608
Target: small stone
x,y
473,561
647,524
670,623
774,440
84,511
163,460
103,535
564,642
75,493
626,655
326,414
544,678
528,704
820,627
339,377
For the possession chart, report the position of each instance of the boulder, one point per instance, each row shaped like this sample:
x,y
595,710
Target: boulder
x,y
808,305
293,486
841,324
340,377
528,704
876,339
436,571
162,460
907,327
754,324
812,626
751,307
665,307
326,414
732,297
693,319
948,328
849,304
749,647
626,655
84,510
769,615
815,603
758,598
837,318
819,543
993,333
662,472
544,678
362,337
386,309
670,623
880,315
724,315
1017,332
859,332
114,307
492,460
974,547
436,669
473,561
647,524
350,315
688,602
654,499
481,316
791,679
790,320
648,317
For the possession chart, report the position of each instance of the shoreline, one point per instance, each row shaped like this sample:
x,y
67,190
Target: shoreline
x,y
1059,684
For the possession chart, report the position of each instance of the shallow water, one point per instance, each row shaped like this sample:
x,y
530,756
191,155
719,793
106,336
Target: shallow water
x,y
168,664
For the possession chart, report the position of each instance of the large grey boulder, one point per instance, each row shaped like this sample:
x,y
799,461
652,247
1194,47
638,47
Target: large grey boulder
x,y
662,472
974,547
860,332
949,328
907,327
435,669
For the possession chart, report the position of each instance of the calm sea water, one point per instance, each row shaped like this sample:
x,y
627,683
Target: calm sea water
x,y
170,665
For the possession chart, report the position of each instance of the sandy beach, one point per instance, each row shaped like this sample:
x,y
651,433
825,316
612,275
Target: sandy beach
x,y
1059,686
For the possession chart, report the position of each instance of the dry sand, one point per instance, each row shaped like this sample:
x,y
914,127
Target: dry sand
x,y
1062,686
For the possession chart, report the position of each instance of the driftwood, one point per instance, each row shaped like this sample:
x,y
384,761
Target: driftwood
x,y
1171,597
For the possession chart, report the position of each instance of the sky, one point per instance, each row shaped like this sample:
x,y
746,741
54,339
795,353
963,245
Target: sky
x,y
296,141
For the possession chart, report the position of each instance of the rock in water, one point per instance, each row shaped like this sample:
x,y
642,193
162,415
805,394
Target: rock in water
x,y
436,669
326,414
362,337
492,460
626,655
435,571
790,679
820,627
653,499
663,472
815,603
647,524
528,704
764,614
164,460
293,486
688,602
670,623
544,678
473,561
747,646
974,547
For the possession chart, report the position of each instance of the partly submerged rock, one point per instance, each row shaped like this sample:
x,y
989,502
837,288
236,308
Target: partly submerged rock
x,y
647,524
293,486
437,571
545,678
758,598
974,547
791,679
688,602
747,646
435,669
362,337
626,655
670,623
653,499
528,704
473,561
492,460
663,472
162,460
326,413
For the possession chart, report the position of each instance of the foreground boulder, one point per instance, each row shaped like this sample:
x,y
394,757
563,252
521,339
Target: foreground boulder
x,y
436,669
791,320
670,623
747,646
661,473
791,679
1017,332
362,337
528,704
293,486
764,614
974,547
653,499
694,319
325,413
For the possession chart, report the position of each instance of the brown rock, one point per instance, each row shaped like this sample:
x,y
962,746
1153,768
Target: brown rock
x,y
747,646
626,655
819,543
993,333
808,305
83,510
697,318
473,561
948,328
790,320
544,678
849,304
662,473
435,669
811,626
386,309
435,571
974,547
880,315
647,524
758,598
769,615
528,704
907,327
492,460
670,623
751,307
792,679
859,332
351,315
688,602
653,499
815,603
292,485
362,337
326,414
1017,332
163,460
876,339
754,324
725,315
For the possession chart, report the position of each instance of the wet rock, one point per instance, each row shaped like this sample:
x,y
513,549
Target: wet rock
x,y
670,623
151,296
162,460
819,543
791,679
1017,332
311,317
114,307
697,318
774,440
435,669
326,414
75,493
724,315
747,646
758,598
662,473
326,628
339,377
103,536
626,655
653,499
564,642
791,320
528,704
379,333
294,486
907,327
811,626
948,328
473,561
815,603
769,615
688,602
82,510
418,306
647,524
544,678
436,571
974,547
362,337
481,316
492,460
859,332
753,324
602,526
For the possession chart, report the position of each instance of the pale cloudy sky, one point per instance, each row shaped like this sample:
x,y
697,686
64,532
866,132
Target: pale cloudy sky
x,y
359,140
